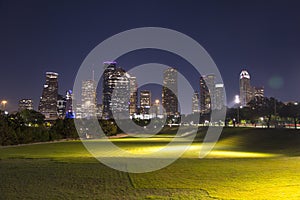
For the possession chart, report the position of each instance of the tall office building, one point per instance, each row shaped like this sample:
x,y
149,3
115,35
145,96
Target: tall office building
x,y
120,98
61,106
219,96
69,107
207,93
145,101
99,111
195,103
48,101
246,90
78,111
25,104
170,91
116,91
88,99
204,97
259,92
210,83
109,70
133,96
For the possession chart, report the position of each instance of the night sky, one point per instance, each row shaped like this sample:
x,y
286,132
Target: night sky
x,y
260,36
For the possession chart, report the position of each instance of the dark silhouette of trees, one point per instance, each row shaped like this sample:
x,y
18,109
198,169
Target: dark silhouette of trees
x,y
291,110
269,109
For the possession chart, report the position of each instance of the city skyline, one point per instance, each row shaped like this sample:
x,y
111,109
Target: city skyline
x,y
259,36
211,93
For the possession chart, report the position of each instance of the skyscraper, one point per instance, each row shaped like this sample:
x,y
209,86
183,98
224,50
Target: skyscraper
x,y
246,90
25,104
219,96
133,95
195,103
145,101
48,101
204,97
61,106
207,93
88,99
170,91
69,107
259,92
120,98
116,91
109,69
99,111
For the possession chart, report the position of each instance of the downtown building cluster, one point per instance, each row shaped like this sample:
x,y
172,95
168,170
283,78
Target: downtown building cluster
x,y
210,97
119,97
122,100
53,105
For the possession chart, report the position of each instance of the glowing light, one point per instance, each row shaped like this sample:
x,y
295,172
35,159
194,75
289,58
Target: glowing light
x,y
244,74
237,99
3,102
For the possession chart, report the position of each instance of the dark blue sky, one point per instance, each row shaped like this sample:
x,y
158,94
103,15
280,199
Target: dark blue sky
x,y
40,36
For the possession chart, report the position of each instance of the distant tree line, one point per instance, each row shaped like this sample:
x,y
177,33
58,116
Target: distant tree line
x,y
268,111
28,126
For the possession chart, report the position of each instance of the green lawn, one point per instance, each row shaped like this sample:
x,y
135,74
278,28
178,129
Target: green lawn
x,y
245,164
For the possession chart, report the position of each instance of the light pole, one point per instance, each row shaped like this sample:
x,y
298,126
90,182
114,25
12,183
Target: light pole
x,y
237,101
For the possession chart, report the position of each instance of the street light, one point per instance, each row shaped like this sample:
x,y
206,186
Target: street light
x,y
237,101
3,103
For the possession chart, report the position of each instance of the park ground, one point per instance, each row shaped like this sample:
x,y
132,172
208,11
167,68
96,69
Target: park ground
x,y
246,163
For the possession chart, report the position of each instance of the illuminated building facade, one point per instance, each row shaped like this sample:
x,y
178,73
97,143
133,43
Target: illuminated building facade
x,y
170,91
246,90
207,86
25,104
219,96
69,107
61,106
88,99
119,81
99,111
133,96
204,97
116,91
145,101
48,101
259,92
109,70
195,103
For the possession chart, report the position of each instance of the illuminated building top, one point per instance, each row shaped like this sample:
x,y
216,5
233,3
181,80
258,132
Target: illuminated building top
x,y
244,74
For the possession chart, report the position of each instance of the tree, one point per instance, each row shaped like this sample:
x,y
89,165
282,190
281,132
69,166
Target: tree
x,y
63,129
7,133
32,117
291,110
109,127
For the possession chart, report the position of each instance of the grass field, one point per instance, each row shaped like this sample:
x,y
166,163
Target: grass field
x,y
245,164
